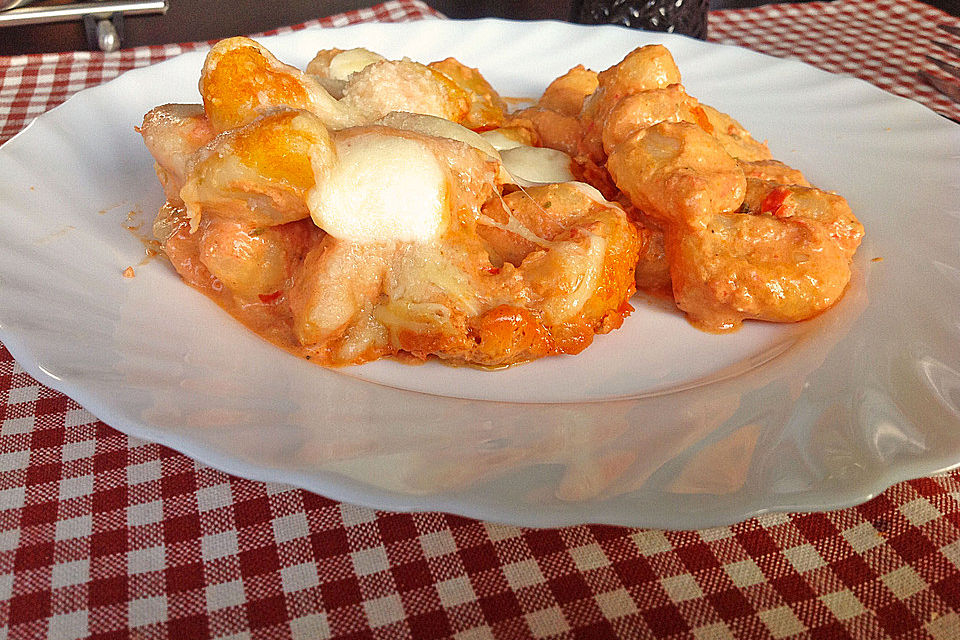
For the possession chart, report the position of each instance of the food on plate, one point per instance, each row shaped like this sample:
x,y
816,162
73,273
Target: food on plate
x,y
733,233
240,78
368,208
377,224
737,248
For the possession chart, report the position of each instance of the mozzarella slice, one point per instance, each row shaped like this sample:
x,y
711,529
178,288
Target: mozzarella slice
x,y
499,140
530,166
382,188
351,61
438,127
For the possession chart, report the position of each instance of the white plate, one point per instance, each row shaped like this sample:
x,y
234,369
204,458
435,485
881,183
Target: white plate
x,y
654,425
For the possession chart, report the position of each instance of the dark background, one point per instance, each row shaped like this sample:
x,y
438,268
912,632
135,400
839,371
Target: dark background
x,y
189,20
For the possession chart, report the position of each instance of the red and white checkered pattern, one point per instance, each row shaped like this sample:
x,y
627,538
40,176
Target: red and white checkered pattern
x,y
881,41
35,83
106,536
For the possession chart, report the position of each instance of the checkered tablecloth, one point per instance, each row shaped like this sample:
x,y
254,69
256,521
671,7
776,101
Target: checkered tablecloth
x,y
107,536
882,41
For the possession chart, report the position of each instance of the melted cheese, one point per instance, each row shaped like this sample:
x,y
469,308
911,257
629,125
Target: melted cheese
x,y
351,61
530,166
438,127
382,188
499,140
